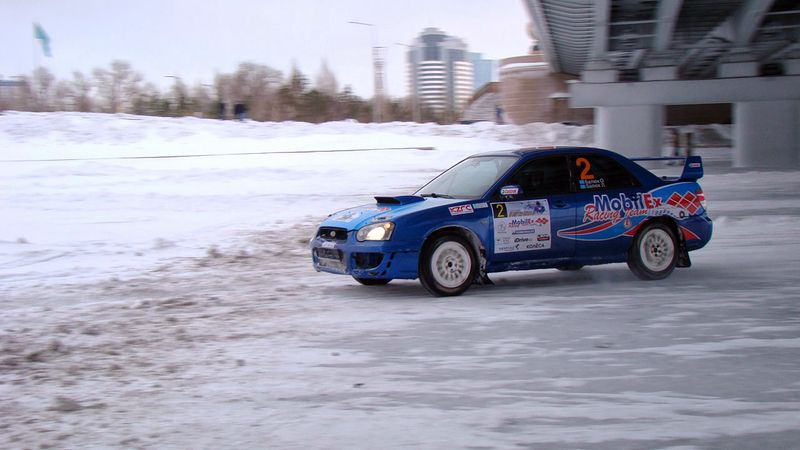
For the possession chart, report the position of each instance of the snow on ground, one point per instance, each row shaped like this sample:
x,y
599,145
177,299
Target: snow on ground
x,y
89,218
171,303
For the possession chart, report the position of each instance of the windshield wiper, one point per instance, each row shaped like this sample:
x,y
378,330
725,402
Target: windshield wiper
x,y
435,195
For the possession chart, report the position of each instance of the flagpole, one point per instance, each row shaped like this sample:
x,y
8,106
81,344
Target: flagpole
x,y
35,55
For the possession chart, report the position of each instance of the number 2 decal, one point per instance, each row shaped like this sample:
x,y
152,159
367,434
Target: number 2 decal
x,y
587,166
499,210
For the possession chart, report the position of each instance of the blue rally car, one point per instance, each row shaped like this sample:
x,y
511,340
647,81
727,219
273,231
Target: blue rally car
x,y
557,207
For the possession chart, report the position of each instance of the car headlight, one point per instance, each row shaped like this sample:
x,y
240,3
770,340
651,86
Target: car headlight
x,y
376,232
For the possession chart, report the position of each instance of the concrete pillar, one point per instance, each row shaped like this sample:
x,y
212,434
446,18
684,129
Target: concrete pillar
x,y
766,134
630,130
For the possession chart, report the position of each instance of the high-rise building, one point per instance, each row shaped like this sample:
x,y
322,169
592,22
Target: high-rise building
x,y
440,71
485,70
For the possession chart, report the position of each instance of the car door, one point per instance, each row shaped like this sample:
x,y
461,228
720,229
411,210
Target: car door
x,y
525,223
609,204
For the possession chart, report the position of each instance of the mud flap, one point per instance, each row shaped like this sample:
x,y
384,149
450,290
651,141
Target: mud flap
x,y
482,278
683,259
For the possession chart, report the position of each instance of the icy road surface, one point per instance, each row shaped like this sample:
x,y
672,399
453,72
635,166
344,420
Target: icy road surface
x,y
225,337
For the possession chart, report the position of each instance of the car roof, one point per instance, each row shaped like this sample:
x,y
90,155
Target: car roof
x,y
553,150
643,174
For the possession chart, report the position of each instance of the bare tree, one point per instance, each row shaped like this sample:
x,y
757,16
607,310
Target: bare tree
x,y
42,84
63,96
22,96
291,95
256,86
82,88
117,86
223,90
201,98
181,104
148,101
326,80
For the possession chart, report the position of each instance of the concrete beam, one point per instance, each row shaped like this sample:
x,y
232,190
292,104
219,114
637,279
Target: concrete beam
x,y
539,21
766,134
738,69
630,130
659,73
685,92
599,76
602,11
666,17
791,66
747,19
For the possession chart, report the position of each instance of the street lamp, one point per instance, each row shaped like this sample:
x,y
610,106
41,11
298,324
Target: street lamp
x,y
415,113
377,62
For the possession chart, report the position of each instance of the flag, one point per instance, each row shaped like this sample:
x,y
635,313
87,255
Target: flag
x,y
38,33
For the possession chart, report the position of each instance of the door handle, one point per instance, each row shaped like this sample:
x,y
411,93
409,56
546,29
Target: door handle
x,y
560,204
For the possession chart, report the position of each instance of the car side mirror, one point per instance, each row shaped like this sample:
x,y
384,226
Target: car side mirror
x,y
510,192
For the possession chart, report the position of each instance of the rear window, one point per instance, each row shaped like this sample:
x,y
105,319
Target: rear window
x,y
595,172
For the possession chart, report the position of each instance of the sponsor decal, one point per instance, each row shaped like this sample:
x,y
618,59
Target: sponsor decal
x,y
537,246
461,209
353,214
587,179
695,165
592,184
347,216
612,216
521,226
509,191
480,205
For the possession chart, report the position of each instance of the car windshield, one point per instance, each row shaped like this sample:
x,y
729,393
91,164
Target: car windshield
x,y
470,178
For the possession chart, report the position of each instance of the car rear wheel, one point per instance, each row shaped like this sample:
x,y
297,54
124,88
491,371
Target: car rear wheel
x,y
373,281
654,252
447,266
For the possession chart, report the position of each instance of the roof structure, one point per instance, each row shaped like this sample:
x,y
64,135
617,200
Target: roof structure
x,y
695,36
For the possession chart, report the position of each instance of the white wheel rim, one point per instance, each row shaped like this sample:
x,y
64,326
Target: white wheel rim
x,y
657,250
451,264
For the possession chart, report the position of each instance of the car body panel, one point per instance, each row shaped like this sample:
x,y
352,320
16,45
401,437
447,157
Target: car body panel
x,y
589,224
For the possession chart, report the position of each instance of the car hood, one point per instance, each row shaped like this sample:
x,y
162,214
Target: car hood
x,y
385,209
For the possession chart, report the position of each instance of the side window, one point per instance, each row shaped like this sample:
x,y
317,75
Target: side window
x,y
543,176
593,172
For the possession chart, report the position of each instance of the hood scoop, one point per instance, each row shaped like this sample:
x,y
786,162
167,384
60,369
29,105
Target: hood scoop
x,y
399,200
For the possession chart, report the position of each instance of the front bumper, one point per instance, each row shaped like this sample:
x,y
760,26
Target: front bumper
x,y
370,259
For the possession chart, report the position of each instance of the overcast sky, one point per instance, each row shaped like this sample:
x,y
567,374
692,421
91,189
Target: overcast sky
x,y
195,39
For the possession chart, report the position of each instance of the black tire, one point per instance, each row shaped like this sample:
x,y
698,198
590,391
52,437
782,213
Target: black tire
x,y
654,252
373,281
447,266
571,268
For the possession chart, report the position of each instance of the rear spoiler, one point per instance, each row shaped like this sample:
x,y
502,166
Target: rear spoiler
x,y
692,166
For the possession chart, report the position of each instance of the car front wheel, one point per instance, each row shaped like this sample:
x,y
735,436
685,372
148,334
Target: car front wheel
x,y
653,253
447,266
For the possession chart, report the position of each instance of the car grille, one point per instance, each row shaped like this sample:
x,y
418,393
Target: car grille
x,y
332,234
329,253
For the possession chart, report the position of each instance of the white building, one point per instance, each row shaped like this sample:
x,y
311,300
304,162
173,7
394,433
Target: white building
x,y
440,71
